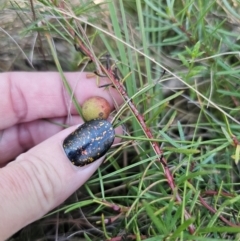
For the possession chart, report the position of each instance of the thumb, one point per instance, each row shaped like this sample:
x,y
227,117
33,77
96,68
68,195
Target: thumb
x,y
38,181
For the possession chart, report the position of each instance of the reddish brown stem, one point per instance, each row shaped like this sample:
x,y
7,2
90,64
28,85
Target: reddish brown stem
x,y
214,193
119,86
213,210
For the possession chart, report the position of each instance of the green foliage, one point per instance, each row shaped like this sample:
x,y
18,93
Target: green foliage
x,y
192,111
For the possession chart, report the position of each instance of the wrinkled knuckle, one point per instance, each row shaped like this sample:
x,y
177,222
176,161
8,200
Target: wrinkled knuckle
x,y
25,138
45,180
18,101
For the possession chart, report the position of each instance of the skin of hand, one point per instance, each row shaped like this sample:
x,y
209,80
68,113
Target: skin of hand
x,y
35,174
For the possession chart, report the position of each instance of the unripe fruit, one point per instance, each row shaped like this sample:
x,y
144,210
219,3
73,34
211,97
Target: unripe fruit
x,y
96,108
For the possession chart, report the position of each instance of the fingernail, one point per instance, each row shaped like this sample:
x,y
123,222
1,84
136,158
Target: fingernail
x,y
89,142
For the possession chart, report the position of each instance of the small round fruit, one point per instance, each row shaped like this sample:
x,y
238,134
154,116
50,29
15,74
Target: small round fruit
x,y
96,108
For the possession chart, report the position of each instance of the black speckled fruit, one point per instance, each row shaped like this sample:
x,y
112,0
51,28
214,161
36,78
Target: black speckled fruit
x,y
89,142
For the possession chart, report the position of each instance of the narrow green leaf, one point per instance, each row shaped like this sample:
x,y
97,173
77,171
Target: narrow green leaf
x,y
158,222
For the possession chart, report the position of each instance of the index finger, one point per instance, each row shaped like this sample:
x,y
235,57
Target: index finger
x,y
31,96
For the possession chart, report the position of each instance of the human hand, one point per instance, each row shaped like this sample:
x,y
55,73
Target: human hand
x,y
41,177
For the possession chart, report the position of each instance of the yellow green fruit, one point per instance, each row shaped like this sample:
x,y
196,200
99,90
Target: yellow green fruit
x,y
95,108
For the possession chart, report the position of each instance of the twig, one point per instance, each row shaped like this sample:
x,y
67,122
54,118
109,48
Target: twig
x,y
121,89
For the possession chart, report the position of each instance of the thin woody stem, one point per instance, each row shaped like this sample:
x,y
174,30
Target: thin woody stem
x,y
119,86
